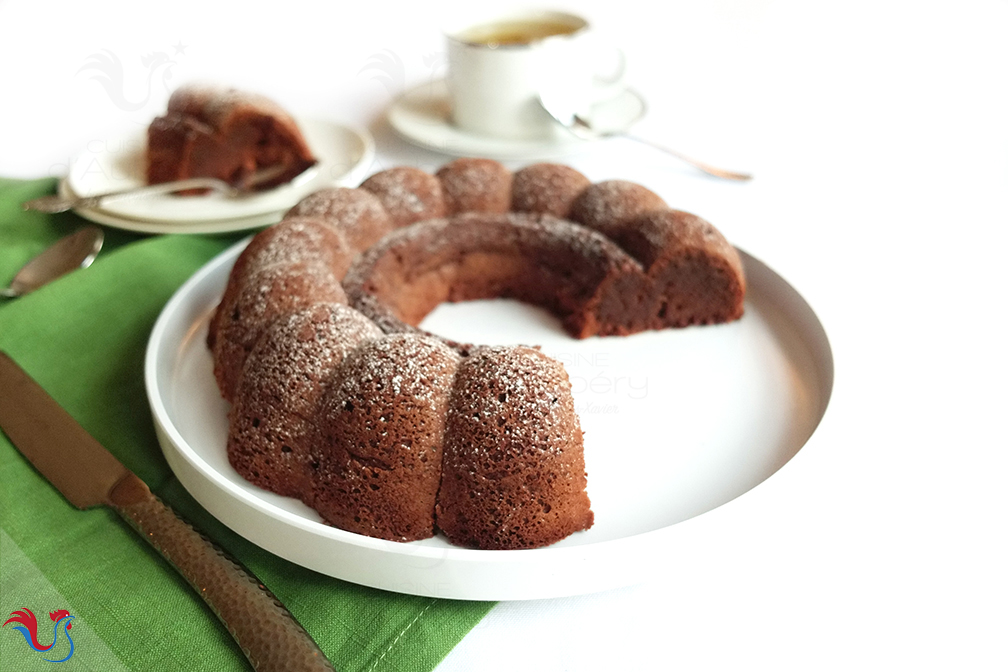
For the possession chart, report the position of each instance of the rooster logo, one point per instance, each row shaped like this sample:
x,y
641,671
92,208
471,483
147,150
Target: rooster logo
x,y
109,72
389,70
28,628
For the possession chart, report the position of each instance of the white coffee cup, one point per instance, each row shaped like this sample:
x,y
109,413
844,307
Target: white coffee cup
x,y
498,65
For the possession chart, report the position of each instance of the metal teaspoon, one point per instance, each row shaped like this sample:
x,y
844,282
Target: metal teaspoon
x,y
560,109
77,250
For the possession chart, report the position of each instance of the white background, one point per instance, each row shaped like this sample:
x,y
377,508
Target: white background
x,y
878,134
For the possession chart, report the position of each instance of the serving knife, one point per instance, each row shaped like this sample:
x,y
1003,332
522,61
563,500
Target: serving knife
x,y
88,475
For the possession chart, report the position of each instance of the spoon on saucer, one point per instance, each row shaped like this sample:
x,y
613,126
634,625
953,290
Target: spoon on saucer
x,y
561,109
77,250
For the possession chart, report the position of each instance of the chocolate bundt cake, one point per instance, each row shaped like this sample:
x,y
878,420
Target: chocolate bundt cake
x,y
224,133
340,399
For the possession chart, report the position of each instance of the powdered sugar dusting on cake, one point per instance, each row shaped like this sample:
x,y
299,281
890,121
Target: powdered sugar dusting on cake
x,y
587,243
217,102
267,294
476,185
548,188
513,470
302,348
408,194
605,206
272,287
474,178
381,437
274,418
300,239
400,197
337,202
516,389
357,214
406,362
663,234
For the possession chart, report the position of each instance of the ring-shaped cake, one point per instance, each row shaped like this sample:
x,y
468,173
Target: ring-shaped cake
x,y
340,400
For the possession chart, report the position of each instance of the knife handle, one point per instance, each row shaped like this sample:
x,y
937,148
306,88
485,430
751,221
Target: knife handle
x,y
266,632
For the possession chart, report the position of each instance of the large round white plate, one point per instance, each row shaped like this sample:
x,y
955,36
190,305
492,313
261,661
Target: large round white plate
x,y
422,115
345,155
676,423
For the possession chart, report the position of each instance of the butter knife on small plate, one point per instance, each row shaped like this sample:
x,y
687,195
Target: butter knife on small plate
x,y
88,475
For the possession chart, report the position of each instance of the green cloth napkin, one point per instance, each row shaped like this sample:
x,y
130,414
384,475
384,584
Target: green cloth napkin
x,y
83,338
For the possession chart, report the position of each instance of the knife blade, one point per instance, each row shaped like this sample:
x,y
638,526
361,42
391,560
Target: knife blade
x,y
88,475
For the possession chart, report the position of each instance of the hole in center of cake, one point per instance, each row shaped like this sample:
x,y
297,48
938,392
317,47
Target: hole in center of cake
x,y
495,322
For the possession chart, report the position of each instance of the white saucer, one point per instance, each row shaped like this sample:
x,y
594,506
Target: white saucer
x,y
345,155
422,115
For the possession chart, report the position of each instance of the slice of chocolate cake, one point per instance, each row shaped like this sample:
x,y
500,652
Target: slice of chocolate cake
x,y
227,134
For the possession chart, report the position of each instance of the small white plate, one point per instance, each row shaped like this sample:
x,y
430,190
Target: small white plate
x,y
422,115
155,227
710,412
345,155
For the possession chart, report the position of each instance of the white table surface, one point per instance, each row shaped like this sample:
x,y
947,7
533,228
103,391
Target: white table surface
x,y
878,134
